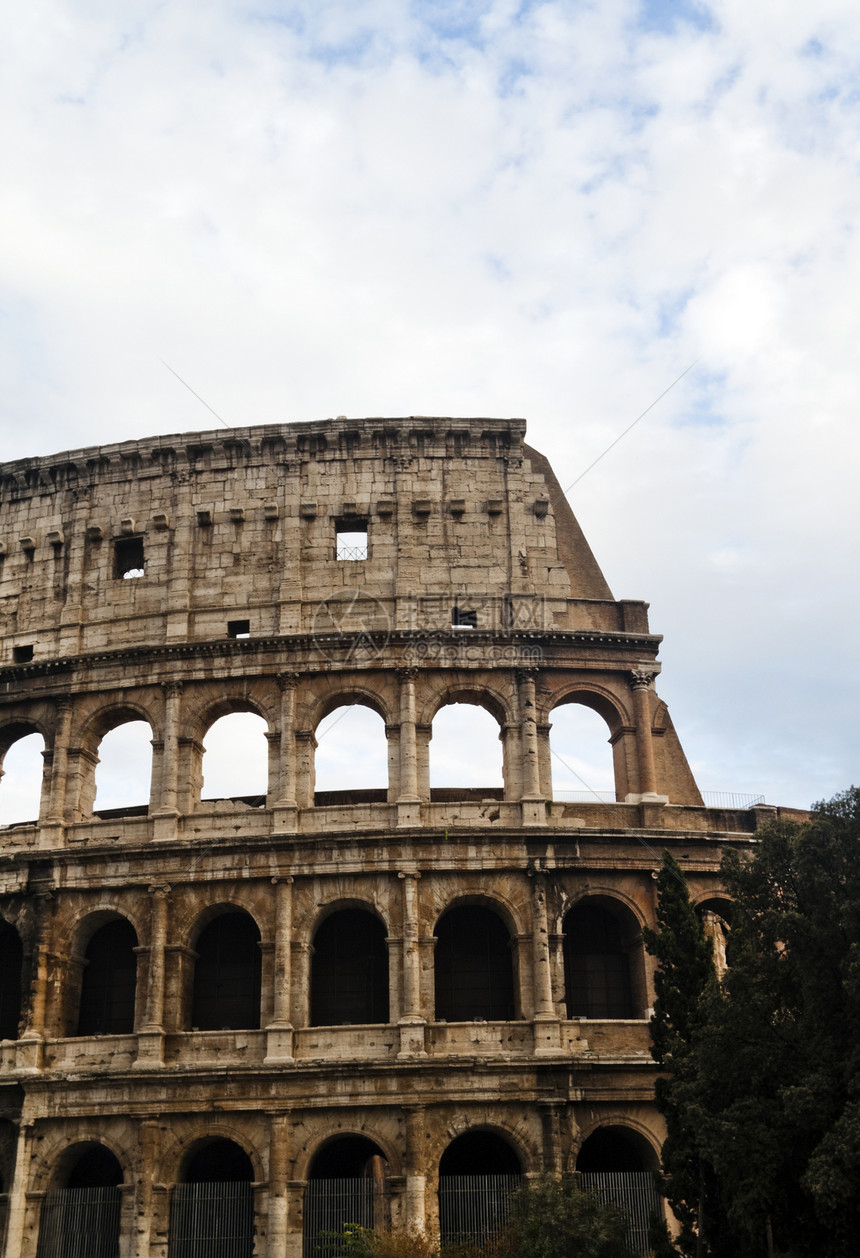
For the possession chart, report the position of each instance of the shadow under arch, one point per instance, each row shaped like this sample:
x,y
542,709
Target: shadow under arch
x,y
348,1183
11,980
349,967
226,978
473,963
619,1162
108,986
604,969
212,1205
478,1172
84,1202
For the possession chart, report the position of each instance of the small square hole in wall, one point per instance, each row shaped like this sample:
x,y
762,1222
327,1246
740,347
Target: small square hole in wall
x,y
351,540
238,628
22,654
461,619
128,557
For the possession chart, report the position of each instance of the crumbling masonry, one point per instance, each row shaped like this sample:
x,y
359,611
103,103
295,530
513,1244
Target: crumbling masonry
x,y
387,990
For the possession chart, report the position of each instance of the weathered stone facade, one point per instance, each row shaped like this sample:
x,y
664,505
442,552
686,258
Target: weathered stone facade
x,y
478,587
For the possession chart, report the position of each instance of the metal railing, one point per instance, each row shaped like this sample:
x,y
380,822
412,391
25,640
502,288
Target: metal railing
x,y
730,799
211,1220
474,1207
637,1195
79,1223
330,1204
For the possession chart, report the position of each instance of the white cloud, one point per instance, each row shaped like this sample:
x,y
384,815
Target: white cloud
x,y
547,209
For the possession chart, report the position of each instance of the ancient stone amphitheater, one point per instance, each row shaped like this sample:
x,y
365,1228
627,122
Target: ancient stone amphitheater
x,y
230,1025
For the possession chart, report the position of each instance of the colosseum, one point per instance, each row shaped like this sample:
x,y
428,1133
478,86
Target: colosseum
x,y
228,1026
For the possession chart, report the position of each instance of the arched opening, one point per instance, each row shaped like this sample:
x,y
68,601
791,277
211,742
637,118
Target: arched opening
x,y
109,981
212,1208
581,755
123,776
236,759
620,1164
11,964
603,975
478,1173
21,777
474,974
351,758
716,918
465,754
349,970
227,974
347,1183
81,1217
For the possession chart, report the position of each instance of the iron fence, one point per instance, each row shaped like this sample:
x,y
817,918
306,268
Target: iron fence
x,y
79,1223
330,1204
211,1220
637,1194
474,1207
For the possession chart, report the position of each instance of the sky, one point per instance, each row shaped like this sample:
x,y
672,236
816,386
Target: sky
x,y
554,210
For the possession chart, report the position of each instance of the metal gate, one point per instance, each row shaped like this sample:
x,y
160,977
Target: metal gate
x,y
79,1223
330,1204
637,1194
474,1207
211,1221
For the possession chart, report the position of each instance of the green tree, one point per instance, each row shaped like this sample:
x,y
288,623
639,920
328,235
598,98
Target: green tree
x,y
685,973
555,1218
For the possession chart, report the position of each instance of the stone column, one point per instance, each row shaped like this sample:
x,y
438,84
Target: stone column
x,y
642,683
30,1053
279,1162
150,1146
285,795
17,1217
279,1032
150,1039
59,766
550,1112
416,1209
165,827
408,801
533,804
412,1022
547,1028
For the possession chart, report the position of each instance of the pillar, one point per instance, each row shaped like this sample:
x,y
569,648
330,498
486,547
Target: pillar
x,y
279,1032
547,1028
408,801
279,1136
17,1217
168,807
642,682
533,804
285,794
411,1022
30,1053
150,1040
150,1142
416,1182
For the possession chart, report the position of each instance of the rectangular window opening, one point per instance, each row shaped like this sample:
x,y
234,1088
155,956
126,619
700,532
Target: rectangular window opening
x,y
238,628
22,654
351,540
461,619
128,557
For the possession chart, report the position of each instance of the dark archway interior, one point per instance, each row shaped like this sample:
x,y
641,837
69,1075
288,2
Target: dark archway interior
x,y
95,1168
347,1157
479,1153
596,964
109,981
227,975
474,968
11,960
219,1162
349,970
611,1149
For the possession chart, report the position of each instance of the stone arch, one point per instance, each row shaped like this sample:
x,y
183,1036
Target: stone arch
x,y
328,1131
115,978
359,1165
474,964
61,1148
620,1137
612,710
604,964
349,967
196,1134
478,1171
23,791
226,975
479,692
107,717
201,709
370,780
213,1197
342,692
